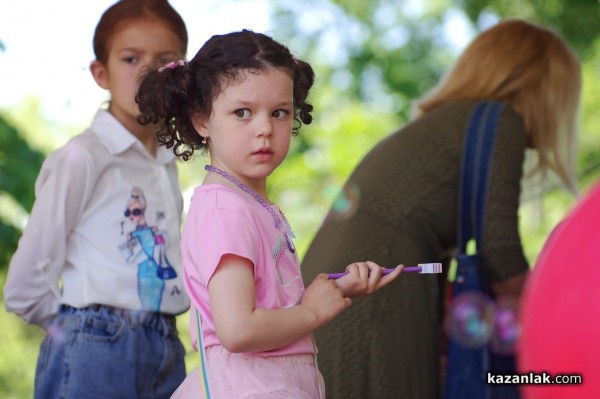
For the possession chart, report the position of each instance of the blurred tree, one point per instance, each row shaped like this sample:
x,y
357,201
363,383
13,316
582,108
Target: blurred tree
x,y
19,164
380,52
372,49
576,20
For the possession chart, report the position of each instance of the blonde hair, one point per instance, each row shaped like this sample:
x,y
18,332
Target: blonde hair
x,y
533,70
137,197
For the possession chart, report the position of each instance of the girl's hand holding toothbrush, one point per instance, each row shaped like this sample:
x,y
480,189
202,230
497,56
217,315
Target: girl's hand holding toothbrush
x,y
364,278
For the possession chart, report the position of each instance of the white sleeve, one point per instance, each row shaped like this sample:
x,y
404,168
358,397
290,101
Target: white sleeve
x,y
32,288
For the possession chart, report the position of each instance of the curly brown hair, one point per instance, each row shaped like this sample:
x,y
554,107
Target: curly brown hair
x,y
171,97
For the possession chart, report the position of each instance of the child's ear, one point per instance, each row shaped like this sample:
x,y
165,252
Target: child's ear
x,y
198,123
100,74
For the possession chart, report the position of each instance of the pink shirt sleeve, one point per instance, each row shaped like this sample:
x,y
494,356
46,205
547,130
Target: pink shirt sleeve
x,y
231,232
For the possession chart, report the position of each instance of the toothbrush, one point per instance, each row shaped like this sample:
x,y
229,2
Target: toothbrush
x,y
422,268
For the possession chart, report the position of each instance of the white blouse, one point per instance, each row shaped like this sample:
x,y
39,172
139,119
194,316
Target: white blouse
x,y
104,228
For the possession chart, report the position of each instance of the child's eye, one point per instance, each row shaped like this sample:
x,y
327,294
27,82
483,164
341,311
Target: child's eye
x,y
130,59
242,113
280,113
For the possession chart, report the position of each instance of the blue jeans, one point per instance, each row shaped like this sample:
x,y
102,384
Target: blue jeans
x,y
102,352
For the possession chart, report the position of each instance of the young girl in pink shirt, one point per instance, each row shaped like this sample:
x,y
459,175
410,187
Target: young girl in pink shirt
x,y
242,98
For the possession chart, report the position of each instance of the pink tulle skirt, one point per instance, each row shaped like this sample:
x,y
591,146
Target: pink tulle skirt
x,y
243,376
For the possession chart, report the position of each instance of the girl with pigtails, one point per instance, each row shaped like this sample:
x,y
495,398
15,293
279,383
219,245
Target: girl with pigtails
x,y
242,98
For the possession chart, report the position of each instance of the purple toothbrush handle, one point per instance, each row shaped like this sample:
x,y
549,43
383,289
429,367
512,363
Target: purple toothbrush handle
x,y
385,271
335,276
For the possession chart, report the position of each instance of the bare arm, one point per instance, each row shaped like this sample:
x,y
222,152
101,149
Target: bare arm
x,y
242,327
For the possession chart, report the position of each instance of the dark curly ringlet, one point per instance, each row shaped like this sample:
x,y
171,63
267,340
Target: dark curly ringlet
x,y
171,97
164,100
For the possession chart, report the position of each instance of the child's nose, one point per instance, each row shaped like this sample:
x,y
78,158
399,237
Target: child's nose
x,y
265,127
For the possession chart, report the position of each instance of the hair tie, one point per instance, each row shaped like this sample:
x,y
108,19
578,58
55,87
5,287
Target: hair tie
x,y
172,65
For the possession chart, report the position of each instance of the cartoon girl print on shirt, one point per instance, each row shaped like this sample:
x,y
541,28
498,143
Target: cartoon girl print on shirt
x,y
145,246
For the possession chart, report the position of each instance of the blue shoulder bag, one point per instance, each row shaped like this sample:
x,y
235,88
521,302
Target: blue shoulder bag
x,y
468,365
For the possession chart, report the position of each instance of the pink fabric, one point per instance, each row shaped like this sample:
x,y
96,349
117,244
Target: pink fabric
x,y
559,318
257,377
223,221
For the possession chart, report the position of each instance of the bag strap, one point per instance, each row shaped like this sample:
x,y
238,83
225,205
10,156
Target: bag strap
x,y
475,171
202,367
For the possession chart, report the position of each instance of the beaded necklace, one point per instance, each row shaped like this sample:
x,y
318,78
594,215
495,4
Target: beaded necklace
x,y
280,225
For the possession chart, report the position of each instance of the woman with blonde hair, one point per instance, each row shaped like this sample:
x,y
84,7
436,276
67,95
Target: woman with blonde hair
x,y
536,73
386,346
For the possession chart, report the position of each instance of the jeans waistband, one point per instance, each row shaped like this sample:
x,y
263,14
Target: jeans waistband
x,y
157,321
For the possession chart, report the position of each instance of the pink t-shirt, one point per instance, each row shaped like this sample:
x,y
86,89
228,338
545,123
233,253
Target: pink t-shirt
x,y
223,221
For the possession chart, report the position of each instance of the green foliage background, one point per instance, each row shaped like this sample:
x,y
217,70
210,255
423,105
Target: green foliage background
x,y
372,58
